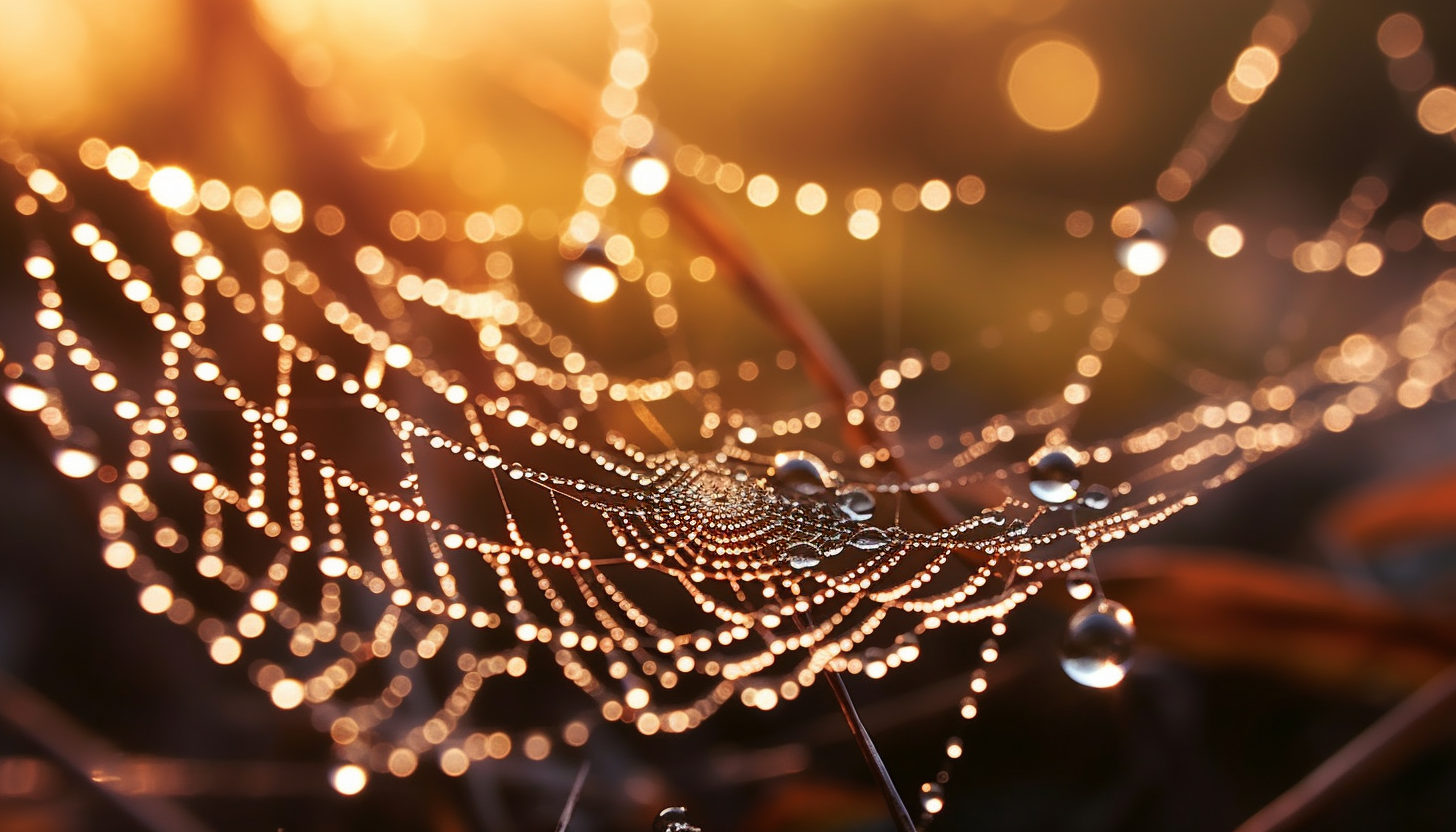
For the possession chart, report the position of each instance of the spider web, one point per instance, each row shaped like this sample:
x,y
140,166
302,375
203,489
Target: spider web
x,y
390,492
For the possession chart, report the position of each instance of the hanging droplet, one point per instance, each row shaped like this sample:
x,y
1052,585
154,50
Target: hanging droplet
x,y
1054,477
25,395
803,556
856,503
932,798
1097,648
801,473
870,539
1096,497
1080,585
673,819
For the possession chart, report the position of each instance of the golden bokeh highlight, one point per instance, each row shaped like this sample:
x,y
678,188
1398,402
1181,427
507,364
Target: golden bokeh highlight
x,y
1439,221
1225,240
1437,110
1400,36
1053,85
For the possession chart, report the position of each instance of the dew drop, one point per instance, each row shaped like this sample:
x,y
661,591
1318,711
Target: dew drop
x,y
673,819
1079,585
803,556
1097,648
1054,477
801,473
856,503
870,539
1096,497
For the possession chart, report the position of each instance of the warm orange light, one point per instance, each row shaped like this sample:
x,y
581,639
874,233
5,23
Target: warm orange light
x,y
172,187
1053,85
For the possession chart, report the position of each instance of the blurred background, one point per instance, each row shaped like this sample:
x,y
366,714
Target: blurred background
x,y
1276,621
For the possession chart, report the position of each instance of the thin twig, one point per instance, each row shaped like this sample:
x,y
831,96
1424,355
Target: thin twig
x,y
571,799
898,812
1407,728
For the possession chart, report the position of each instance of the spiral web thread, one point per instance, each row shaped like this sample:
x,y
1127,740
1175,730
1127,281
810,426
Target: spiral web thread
x,y
272,485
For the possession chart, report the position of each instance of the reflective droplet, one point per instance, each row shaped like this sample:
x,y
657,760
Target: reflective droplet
x,y
1079,585
932,797
802,473
856,503
673,819
1096,497
870,539
24,394
803,556
1097,648
1054,477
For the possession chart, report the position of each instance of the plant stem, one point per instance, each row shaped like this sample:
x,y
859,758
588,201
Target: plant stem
x,y
898,812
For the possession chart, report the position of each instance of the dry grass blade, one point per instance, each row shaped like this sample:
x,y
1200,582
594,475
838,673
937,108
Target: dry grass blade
x,y
1406,729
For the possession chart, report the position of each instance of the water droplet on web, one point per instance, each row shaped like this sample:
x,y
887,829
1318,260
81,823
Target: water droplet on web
x,y
1097,648
801,473
1096,497
803,556
870,539
673,819
1080,586
856,503
1054,477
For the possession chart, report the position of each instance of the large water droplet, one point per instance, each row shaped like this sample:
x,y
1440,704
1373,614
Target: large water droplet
x,y
870,539
856,503
1054,477
1079,585
803,556
802,473
1097,648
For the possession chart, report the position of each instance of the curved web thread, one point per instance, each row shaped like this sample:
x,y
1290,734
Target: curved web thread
x,y
662,584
